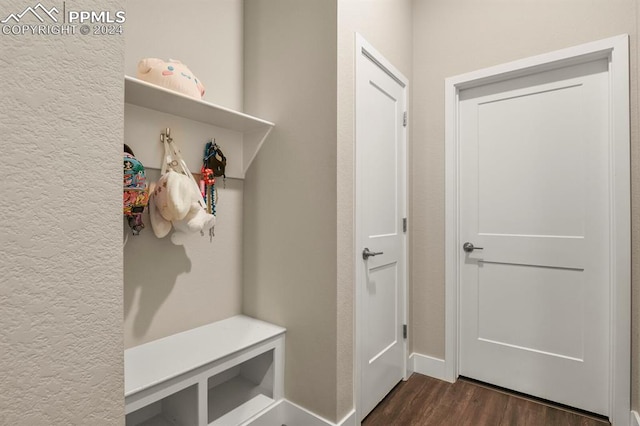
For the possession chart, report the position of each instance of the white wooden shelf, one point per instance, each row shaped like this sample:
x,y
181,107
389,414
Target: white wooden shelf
x,y
236,401
159,420
148,95
247,131
218,374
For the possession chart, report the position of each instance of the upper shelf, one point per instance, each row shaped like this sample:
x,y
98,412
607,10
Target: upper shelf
x,y
251,131
148,95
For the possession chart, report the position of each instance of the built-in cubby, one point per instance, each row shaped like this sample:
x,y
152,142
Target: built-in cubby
x,y
180,408
241,390
221,374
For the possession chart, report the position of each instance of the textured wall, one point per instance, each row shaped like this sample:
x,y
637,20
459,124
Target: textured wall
x,y
61,252
487,33
386,24
170,288
290,190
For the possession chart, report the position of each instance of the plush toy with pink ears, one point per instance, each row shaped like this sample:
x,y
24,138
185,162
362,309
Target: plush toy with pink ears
x,y
172,75
175,201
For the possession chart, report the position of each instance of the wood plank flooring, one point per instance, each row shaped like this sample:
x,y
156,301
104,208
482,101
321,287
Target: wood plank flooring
x,y
424,401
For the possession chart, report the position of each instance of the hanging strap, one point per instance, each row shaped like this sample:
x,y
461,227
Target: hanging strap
x,y
173,159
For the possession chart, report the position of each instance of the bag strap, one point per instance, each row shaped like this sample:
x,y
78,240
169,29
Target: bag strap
x,y
173,159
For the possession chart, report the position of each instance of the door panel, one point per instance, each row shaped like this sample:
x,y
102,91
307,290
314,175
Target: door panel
x,y
518,134
534,195
382,289
380,157
513,313
380,139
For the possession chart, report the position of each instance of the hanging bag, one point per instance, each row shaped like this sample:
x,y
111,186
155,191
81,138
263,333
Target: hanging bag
x,y
214,159
176,199
135,192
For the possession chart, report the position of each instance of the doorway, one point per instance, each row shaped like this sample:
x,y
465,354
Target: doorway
x,y
381,244
538,232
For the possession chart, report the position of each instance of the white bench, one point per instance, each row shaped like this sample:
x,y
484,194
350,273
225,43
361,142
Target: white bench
x,y
220,374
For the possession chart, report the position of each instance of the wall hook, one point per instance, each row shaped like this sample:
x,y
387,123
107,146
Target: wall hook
x,y
166,135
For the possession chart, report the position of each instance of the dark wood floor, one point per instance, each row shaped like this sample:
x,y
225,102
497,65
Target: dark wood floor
x,y
425,401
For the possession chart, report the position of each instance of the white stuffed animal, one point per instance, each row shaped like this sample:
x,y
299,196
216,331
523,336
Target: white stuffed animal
x,y
171,74
175,201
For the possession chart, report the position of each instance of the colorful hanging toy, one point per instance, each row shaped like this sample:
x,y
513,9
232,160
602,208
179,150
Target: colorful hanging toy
x,y
213,165
135,191
208,189
215,160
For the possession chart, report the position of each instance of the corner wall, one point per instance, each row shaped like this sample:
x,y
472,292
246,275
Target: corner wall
x,y
455,37
635,213
206,35
290,189
61,252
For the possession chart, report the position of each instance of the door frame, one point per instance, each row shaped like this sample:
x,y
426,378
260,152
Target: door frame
x,y
616,50
362,49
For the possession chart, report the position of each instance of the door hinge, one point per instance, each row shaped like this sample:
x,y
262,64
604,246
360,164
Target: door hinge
x,y
404,331
404,119
404,224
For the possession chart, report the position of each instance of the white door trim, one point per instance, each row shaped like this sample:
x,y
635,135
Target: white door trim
x,y
616,49
362,46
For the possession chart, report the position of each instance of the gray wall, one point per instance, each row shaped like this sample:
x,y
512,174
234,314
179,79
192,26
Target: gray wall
x,y
635,214
290,190
299,194
454,37
172,288
169,288
204,34
61,252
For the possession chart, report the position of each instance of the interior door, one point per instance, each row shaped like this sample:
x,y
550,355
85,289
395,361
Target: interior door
x,y
380,209
534,202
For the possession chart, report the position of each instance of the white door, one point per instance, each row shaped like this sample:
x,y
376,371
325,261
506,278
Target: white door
x,y
535,201
380,209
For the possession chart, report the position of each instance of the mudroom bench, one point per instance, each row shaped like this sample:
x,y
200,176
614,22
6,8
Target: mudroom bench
x,y
221,374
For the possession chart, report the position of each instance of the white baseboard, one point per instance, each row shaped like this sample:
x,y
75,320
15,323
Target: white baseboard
x,y
269,417
297,415
635,419
410,368
287,413
429,366
349,419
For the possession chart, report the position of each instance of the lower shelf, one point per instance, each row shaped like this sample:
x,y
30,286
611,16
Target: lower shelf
x,y
235,401
158,420
178,409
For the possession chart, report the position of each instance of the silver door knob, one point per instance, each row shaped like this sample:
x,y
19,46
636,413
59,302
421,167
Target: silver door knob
x,y
469,247
367,254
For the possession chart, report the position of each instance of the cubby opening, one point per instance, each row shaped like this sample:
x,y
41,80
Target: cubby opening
x,y
178,409
242,391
